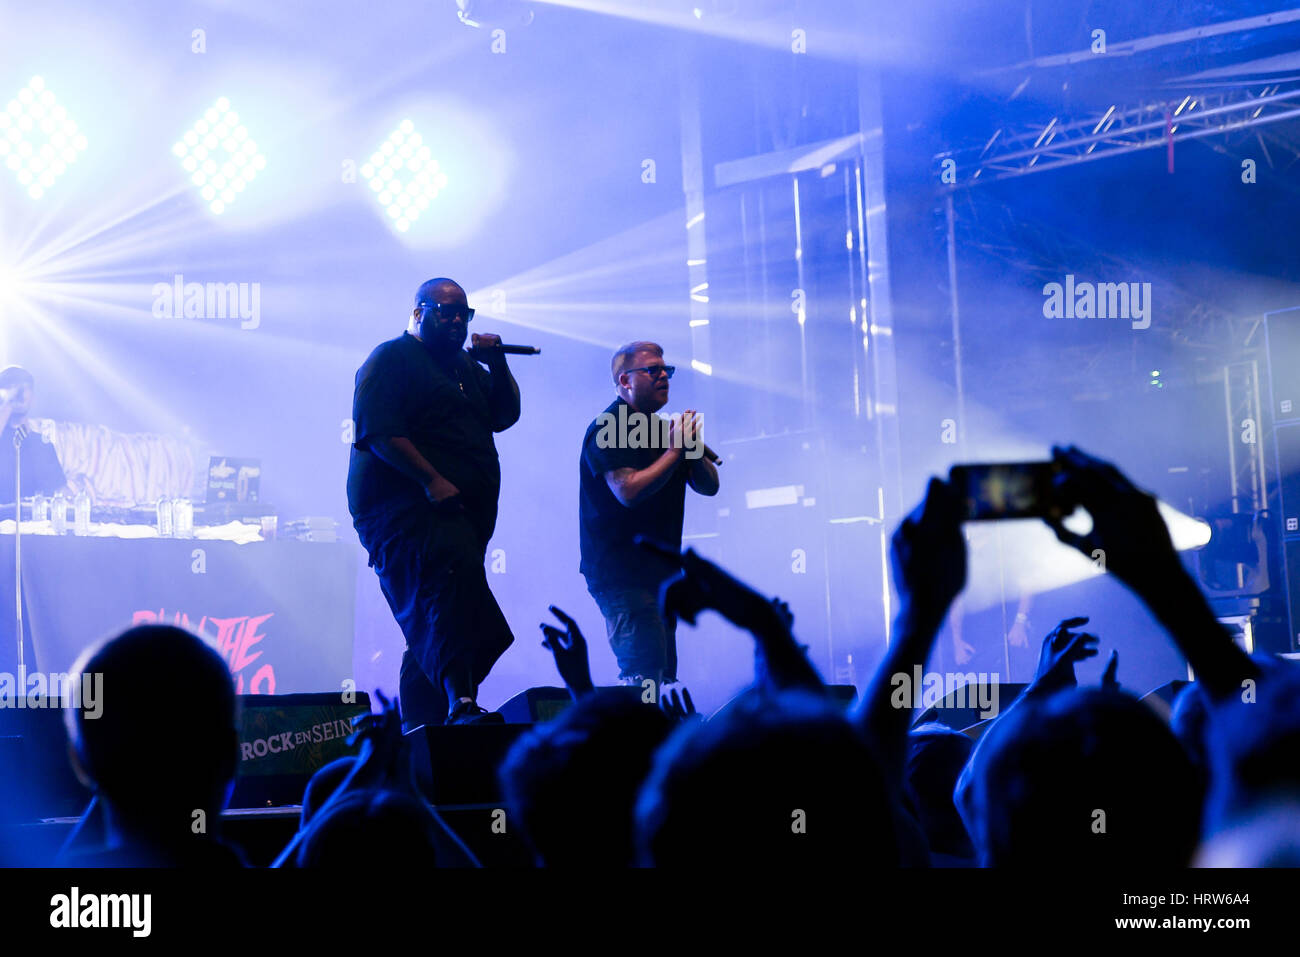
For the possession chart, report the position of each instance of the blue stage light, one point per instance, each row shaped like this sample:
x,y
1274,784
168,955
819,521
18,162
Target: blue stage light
x,y
219,156
404,175
37,138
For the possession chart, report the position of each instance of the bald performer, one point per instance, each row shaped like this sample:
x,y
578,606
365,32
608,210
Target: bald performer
x,y
423,482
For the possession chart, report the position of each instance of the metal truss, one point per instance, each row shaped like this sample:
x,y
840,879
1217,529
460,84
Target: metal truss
x,y
1059,142
1241,393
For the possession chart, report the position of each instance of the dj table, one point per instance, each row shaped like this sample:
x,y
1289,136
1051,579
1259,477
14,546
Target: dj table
x,y
280,612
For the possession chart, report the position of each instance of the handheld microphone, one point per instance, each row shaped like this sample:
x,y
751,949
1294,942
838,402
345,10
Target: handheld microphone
x,y
513,350
709,454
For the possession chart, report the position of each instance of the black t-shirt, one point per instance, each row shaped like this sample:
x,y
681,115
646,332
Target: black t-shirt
x,y
608,527
403,391
42,473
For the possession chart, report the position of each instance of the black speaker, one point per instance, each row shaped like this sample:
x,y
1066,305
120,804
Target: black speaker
x,y
842,696
960,709
36,777
1287,438
1282,340
1291,550
537,705
457,764
285,739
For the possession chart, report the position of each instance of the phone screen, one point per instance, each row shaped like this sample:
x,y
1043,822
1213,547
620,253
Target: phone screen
x,y
1005,490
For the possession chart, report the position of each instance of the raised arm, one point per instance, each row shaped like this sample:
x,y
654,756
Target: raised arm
x,y
702,584
1129,535
570,650
929,566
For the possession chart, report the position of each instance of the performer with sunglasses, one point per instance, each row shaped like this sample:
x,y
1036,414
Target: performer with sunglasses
x,y
633,480
423,482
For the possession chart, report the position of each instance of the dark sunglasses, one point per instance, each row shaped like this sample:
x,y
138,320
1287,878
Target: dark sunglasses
x,y
448,310
653,371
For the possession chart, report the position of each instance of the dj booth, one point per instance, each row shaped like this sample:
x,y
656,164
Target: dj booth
x,y
280,612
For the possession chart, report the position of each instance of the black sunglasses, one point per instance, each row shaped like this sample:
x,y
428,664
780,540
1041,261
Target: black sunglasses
x,y
653,371
449,310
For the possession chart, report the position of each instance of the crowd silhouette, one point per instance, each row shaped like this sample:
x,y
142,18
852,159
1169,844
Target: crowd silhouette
x,y
1073,776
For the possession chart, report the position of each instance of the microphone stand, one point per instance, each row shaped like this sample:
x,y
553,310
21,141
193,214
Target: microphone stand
x,y
18,557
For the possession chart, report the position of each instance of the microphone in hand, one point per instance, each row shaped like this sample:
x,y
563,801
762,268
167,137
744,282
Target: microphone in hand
x,y
488,346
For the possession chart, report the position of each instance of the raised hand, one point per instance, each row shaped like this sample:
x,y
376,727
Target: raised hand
x,y
1134,543
1127,533
1062,650
1108,680
784,612
384,764
381,761
690,428
570,650
929,563
679,707
929,553
702,585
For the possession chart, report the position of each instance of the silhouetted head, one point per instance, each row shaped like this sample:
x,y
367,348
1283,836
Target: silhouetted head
x,y
645,391
441,315
1087,777
936,755
777,779
17,387
367,829
572,783
1253,746
156,736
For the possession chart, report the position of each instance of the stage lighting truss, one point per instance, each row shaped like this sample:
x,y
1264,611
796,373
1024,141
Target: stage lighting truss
x,y
404,176
38,140
219,156
1035,148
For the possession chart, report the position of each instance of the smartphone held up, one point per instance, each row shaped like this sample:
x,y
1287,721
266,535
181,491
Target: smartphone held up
x,y
1008,490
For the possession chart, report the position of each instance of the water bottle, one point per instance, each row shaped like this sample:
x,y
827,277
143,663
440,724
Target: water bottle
x,y
59,513
81,514
183,517
165,527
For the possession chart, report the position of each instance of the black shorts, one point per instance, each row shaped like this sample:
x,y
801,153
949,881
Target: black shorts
x,y
433,577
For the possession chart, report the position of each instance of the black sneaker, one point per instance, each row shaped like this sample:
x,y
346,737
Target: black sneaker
x,y
468,712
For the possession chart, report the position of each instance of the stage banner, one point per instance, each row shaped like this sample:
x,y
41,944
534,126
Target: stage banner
x,y
280,613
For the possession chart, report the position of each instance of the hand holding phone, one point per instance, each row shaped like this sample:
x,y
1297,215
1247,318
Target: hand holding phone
x,y
1008,490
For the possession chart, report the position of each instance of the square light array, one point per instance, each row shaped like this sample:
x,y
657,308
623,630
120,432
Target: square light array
x,y
219,155
37,138
404,176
